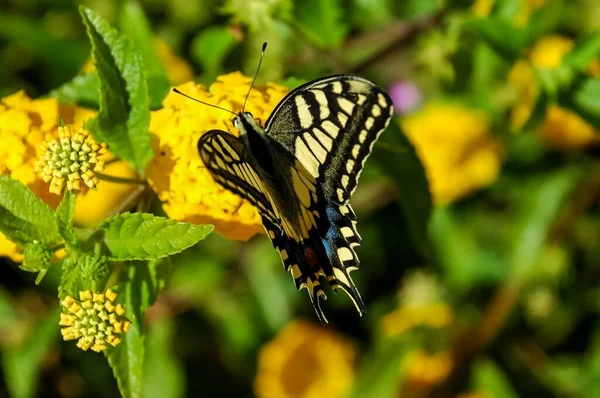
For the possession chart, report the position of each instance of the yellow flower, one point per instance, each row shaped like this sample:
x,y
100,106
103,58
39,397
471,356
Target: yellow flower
x,y
434,315
305,361
476,394
561,129
94,320
70,159
176,172
24,126
456,147
423,370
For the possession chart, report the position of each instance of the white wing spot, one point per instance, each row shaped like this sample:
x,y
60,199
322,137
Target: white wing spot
x,y
342,118
347,232
376,110
345,180
345,254
304,115
382,101
344,209
306,158
323,104
350,165
317,149
346,105
323,138
341,194
330,128
360,99
284,254
355,151
362,136
336,87
369,123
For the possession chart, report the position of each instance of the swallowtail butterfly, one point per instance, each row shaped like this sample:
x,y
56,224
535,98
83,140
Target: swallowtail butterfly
x,y
300,171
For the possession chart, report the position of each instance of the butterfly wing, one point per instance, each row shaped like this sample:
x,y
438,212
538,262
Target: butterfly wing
x,y
224,155
330,125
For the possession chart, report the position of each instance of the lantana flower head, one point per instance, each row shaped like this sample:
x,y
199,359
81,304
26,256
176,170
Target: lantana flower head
x,y
70,159
177,174
93,320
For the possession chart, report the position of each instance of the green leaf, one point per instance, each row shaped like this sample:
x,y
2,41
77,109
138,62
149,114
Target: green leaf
x,y
21,364
488,377
322,22
83,90
70,281
36,257
398,159
135,25
141,236
163,373
539,205
124,116
507,40
584,52
64,217
584,100
141,283
209,49
380,374
23,216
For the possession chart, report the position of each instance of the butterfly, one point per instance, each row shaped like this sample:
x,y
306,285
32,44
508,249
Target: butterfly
x,y
300,171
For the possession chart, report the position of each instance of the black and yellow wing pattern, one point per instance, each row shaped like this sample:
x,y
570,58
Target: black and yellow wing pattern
x,y
300,172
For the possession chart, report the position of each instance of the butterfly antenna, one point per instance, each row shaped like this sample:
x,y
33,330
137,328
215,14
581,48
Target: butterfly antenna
x,y
262,54
202,102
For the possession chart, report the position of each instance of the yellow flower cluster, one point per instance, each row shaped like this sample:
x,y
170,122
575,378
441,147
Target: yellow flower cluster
x,y
94,320
456,147
24,125
434,315
73,157
177,174
422,369
305,361
561,129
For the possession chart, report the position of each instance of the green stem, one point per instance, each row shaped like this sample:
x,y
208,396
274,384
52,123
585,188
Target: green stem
x,y
120,180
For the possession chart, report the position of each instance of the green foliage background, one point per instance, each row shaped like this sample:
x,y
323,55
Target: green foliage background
x,y
534,233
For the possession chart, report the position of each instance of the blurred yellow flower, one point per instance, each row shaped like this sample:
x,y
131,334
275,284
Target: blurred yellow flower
x,y
456,147
24,125
476,394
434,315
561,128
305,361
176,172
422,370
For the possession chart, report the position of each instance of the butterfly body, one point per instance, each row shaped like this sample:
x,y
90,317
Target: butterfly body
x,y
300,172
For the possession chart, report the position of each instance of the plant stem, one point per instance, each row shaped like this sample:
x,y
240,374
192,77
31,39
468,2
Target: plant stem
x,y
120,180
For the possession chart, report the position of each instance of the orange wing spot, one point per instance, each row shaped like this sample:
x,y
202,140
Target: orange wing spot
x,y
312,258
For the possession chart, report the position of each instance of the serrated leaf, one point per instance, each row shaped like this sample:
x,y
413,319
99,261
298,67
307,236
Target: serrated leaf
x,y
141,236
124,115
70,277
135,25
506,39
398,160
322,22
83,90
23,216
209,49
137,291
64,217
21,364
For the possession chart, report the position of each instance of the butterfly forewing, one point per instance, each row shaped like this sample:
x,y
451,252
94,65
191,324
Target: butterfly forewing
x,y
330,125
